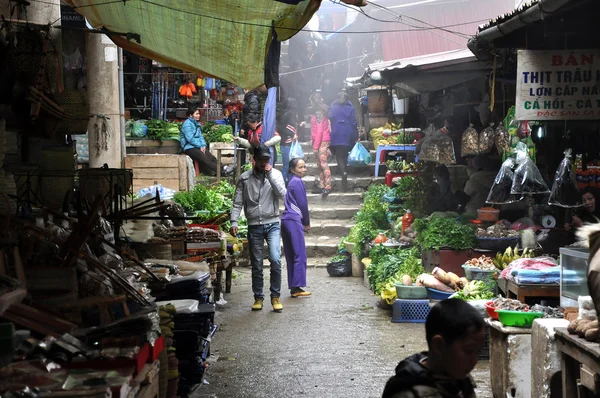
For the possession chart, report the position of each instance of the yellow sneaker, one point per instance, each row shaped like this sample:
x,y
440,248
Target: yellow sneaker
x,y
276,303
300,293
258,304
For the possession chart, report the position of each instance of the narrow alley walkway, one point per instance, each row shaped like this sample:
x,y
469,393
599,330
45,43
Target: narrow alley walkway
x,y
334,344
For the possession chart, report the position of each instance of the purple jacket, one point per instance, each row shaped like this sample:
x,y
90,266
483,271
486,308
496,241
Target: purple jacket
x,y
344,130
296,203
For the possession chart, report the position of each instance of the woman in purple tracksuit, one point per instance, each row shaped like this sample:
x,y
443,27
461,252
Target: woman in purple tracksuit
x,y
294,222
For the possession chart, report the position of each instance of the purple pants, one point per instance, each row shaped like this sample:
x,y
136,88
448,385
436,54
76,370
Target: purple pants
x,y
292,234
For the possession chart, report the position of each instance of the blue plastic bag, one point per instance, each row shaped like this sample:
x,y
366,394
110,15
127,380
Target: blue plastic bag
x,y
296,151
359,156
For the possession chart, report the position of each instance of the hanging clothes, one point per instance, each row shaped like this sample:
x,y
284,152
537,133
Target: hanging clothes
x,y
187,90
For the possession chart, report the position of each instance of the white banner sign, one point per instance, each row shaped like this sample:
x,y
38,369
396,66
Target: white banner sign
x,y
558,85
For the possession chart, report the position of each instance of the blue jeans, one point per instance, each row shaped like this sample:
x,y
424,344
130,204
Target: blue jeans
x,y
257,234
285,159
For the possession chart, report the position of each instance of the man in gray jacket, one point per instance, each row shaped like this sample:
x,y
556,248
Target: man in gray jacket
x,y
258,191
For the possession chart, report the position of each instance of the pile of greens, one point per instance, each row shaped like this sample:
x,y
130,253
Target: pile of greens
x,y
205,202
374,209
163,131
413,192
224,188
475,290
389,265
444,232
362,233
218,133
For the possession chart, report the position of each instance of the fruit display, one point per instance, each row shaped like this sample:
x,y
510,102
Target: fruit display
x,y
401,166
502,260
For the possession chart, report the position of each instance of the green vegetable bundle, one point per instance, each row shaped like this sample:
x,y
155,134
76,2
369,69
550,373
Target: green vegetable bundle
x,y
206,202
389,265
218,133
475,290
374,209
163,131
444,232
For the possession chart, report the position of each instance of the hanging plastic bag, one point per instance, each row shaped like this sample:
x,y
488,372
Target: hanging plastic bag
x,y
469,142
359,156
486,139
502,140
565,192
438,148
500,191
527,179
296,151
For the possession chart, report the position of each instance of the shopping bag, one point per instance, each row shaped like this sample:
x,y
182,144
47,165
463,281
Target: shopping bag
x,y
359,156
296,151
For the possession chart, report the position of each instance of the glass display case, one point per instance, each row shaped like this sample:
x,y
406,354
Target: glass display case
x,y
573,275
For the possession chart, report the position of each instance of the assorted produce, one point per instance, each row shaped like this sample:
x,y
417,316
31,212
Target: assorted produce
x,y
475,290
483,262
389,266
499,230
401,166
502,303
218,133
503,260
585,328
207,202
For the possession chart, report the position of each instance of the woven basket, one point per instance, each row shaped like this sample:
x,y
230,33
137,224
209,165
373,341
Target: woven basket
x,y
75,103
26,58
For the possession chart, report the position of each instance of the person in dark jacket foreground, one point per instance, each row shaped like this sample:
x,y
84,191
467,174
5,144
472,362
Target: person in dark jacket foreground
x,y
455,335
295,221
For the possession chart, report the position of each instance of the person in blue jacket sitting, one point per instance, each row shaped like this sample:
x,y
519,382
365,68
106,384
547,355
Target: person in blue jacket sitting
x,y
194,145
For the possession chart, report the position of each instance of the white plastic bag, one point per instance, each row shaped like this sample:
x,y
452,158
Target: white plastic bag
x,y
527,179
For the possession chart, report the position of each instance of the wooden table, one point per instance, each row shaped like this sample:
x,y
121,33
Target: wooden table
x,y
578,353
522,292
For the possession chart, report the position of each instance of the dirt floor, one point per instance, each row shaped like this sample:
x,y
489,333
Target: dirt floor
x,y
337,343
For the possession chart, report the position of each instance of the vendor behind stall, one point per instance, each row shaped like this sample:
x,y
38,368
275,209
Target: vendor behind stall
x,y
590,213
481,178
440,197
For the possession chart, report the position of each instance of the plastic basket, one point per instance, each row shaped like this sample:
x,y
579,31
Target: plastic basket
x,y
487,276
434,294
410,292
484,354
517,318
410,311
491,310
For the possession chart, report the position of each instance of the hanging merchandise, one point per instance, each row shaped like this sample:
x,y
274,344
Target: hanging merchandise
x,y
500,191
475,144
527,179
518,131
486,139
564,189
187,90
502,140
438,147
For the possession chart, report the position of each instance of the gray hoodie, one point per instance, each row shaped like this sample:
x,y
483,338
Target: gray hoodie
x,y
259,195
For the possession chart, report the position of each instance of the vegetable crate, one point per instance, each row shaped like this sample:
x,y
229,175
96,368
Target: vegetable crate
x,y
410,311
170,171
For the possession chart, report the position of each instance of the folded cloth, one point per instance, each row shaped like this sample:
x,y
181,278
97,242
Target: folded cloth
x,y
536,263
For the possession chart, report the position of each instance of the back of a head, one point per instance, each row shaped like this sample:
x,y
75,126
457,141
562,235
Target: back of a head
x,y
342,98
452,319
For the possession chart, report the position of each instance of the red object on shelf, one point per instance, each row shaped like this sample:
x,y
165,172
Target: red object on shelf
x,y
156,349
491,310
382,157
390,176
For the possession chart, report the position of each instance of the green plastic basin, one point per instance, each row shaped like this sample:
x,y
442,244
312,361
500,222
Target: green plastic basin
x,y
410,292
517,318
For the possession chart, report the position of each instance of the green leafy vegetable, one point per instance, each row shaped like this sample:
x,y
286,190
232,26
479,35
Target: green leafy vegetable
x,y
475,290
389,265
206,202
444,232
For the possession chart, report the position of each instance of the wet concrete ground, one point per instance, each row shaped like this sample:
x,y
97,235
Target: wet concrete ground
x,y
335,344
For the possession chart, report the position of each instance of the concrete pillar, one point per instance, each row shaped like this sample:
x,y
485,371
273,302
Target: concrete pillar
x,y
103,94
46,13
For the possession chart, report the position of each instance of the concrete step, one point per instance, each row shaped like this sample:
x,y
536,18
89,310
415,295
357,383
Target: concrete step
x,y
316,246
313,170
355,183
331,212
335,199
306,147
327,227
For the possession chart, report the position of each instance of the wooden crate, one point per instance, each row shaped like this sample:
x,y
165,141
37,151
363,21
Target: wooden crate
x,y
146,146
170,171
227,151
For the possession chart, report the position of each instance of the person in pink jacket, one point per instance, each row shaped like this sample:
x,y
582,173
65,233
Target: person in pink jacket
x,y
320,130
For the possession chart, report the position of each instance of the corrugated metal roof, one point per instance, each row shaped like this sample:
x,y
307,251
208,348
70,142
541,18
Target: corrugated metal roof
x,y
506,16
396,45
430,60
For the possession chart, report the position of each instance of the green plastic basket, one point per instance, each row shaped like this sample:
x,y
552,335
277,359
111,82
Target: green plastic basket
x,y
410,292
518,319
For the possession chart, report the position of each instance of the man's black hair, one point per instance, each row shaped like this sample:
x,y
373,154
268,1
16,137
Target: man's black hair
x,y
452,319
